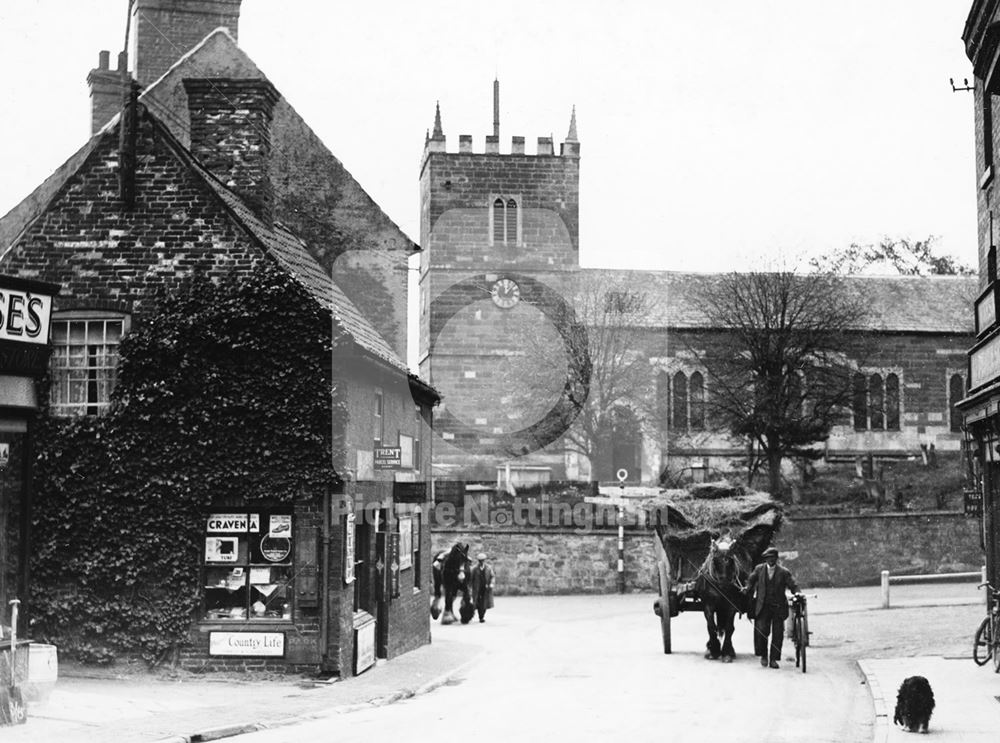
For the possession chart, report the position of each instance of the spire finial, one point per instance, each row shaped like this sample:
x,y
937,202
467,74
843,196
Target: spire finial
x,y
438,132
496,108
571,137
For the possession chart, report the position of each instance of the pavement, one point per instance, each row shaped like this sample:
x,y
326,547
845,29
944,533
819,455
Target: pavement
x,y
87,706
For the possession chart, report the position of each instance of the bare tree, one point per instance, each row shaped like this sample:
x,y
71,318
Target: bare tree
x,y
618,397
780,377
893,255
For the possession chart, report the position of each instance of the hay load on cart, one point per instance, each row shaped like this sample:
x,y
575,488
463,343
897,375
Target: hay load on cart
x,y
685,524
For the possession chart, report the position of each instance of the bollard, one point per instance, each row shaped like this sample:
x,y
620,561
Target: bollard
x,y
885,589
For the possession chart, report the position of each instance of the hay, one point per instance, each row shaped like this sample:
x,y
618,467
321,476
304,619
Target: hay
x,y
686,521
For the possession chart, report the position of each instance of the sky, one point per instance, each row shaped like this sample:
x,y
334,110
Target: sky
x,y
714,135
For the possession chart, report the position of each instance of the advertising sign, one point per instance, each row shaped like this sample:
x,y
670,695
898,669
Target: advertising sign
x,y
973,502
247,644
388,457
405,542
221,549
364,646
24,316
349,548
227,522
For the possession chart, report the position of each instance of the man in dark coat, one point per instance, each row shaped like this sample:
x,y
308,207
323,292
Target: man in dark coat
x,y
766,589
482,581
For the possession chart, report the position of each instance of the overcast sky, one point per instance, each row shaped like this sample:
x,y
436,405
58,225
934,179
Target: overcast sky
x,y
714,135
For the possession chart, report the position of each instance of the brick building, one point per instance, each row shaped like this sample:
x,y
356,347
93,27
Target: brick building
x,y
500,264
328,580
981,408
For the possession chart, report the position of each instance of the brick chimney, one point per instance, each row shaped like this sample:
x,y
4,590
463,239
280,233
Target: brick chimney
x,y
106,90
166,30
231,135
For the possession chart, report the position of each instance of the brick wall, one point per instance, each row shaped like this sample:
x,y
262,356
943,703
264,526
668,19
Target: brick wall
x,y
821,551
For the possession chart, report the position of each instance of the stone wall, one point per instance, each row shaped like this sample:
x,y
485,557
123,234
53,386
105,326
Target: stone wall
x,y
821,551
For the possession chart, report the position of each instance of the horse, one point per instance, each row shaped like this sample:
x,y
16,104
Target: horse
x,y
719,583
452,570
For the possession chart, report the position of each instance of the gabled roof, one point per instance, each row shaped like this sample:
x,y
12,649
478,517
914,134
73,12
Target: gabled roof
x,y
905,304
303,170
277,241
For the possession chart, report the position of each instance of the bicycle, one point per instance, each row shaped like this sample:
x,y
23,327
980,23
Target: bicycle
x,y
986,644
799,620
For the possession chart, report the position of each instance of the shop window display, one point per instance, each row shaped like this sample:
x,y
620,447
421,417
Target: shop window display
x,y
248,566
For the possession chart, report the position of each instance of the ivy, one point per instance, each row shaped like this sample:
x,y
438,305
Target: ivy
x,y
226,391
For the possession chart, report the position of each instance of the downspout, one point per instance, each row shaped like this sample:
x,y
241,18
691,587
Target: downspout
x,y
324,623
26,507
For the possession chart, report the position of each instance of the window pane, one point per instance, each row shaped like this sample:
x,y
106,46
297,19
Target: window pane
x,y
892,402
859,403
84,363
498,221
876,396
956,390
697,402
225,593
678,419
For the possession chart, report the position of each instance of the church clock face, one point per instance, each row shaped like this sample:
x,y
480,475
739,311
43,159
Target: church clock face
x,y
505,293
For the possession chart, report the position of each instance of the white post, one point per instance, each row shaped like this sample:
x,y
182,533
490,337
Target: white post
x,y
982,579
885,589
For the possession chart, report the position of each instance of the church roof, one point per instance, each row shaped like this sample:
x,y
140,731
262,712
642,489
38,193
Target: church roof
x,y
904,304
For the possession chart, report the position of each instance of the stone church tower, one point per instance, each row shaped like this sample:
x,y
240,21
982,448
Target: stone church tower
x,y
500,249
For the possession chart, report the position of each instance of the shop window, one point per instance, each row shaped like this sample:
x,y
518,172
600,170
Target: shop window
x,y
248,565
956,391
84,363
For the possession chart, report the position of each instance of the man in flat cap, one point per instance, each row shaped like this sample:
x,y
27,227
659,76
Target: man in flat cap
x,y
766,589
482,582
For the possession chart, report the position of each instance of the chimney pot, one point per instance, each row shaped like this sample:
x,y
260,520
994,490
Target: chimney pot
x,y
103,59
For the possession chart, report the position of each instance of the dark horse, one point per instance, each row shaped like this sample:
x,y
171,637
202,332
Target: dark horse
x,y
452,569
719,585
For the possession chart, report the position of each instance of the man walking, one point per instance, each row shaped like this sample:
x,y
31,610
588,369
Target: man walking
x,y
482,586
766,589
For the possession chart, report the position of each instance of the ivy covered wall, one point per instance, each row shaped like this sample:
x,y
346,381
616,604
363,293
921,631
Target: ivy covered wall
x,y
226,391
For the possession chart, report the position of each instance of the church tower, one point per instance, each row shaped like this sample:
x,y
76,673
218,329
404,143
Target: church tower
x,y
500,249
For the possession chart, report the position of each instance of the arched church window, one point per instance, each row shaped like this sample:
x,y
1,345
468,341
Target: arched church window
x,y
859,402
876,396
663,400
697,395
891,402
679,402
511,236
498,221
956,391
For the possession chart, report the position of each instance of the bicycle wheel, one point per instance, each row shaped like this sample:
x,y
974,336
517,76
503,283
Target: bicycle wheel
x,y
800,646
982,645
996,644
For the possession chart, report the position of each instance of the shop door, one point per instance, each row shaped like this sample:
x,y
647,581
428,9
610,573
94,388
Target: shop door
x,y
382,542
991,522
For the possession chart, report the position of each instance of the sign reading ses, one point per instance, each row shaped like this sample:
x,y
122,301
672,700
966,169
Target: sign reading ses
x,y
24,316
388,457
249,644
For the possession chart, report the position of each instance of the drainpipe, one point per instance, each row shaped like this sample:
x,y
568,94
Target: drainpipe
x,y
324,623
24,578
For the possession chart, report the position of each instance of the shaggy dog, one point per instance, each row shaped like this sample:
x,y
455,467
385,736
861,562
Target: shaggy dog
x,y
914,704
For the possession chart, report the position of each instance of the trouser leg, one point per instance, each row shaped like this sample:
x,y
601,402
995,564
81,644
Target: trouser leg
x,y
761,627
777,636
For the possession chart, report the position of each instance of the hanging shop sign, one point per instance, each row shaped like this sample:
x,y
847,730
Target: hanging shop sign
x,y
388,457
25,321
349,524
247,644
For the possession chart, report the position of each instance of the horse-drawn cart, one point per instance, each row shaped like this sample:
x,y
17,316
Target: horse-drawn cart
x,y
688,526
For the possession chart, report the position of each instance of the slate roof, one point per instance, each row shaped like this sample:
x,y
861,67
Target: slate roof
x,y
292,254
905,304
